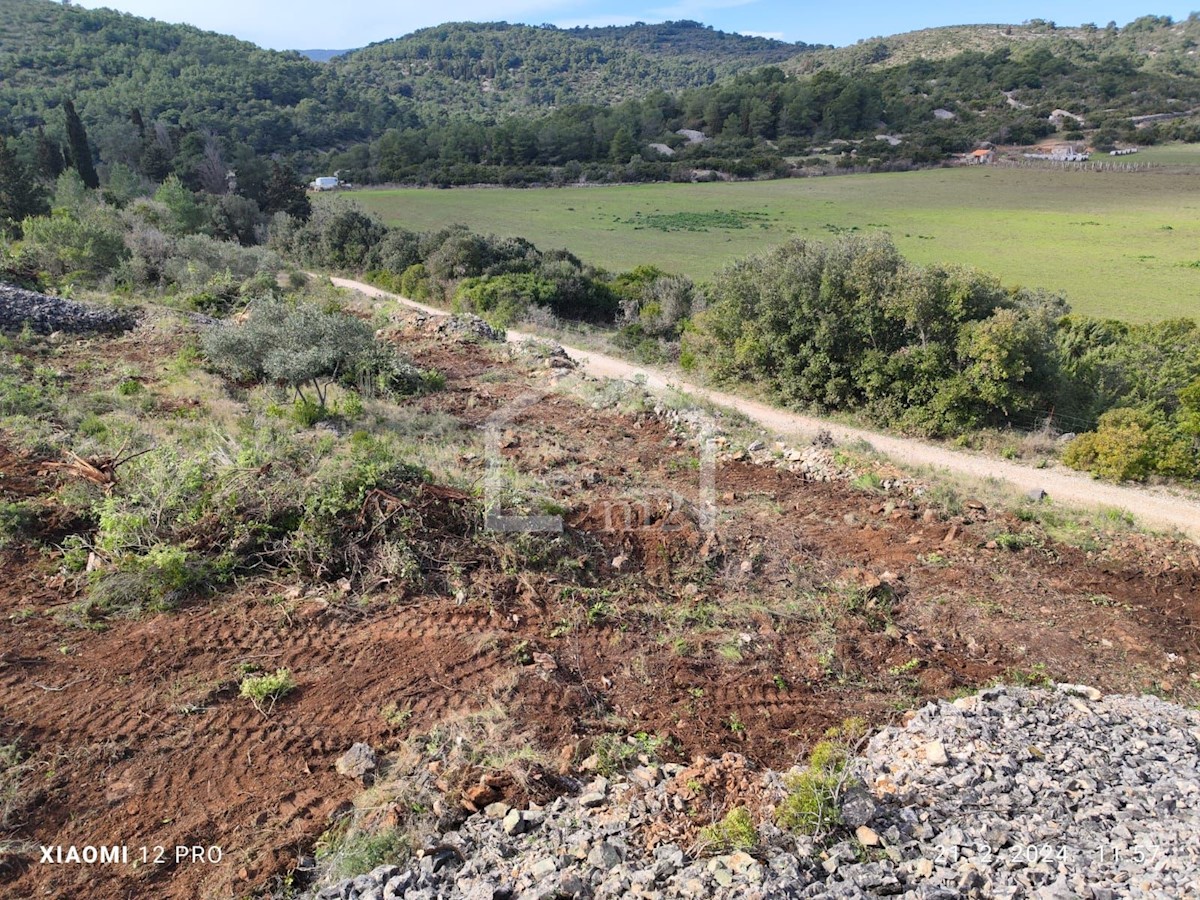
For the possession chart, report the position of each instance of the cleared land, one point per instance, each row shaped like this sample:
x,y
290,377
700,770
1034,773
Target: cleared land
x,y
1124,245
811,602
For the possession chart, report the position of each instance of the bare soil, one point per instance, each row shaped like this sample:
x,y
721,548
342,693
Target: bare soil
x,y
809,605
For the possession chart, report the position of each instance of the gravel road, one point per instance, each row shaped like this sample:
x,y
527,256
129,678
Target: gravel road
x,y
1157,508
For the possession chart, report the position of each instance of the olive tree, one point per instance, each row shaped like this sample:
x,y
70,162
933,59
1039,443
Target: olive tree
x,y
297,346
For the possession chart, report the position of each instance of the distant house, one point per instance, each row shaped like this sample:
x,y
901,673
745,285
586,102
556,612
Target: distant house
x,y
325,183
982,156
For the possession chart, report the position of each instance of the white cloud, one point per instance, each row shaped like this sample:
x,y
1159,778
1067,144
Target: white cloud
x,y
773,35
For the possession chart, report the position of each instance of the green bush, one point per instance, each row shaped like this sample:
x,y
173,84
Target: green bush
x,y
810,806
1132,445
734,832
381,370
849,325
812,802
16,520
505,299
265,690
62,244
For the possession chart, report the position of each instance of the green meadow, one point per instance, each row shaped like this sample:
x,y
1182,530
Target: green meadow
x,y
1119,244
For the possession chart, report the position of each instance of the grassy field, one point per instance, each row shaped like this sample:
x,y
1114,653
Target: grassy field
x,y
1125,245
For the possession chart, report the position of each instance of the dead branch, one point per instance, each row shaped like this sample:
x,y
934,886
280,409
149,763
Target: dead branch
x,y
101,470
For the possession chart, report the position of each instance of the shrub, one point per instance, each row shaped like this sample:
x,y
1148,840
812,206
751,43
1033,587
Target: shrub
x,y
734,832
380,370
339,235
16,520
154,581
236,218
617,753
61,244
1132,445
197,258
365,851
812,802
265,690
504,299
14,784
185,214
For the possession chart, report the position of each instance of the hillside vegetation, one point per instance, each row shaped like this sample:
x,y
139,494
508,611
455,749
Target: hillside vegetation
x,y
1160,41
513,104
480,70
192,90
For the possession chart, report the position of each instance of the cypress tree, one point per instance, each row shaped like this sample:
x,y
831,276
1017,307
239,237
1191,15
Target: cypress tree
x,y
50,160
81,152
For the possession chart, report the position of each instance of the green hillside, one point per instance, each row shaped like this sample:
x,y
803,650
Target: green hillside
x,y
508,104
483,69
174,75
182,80
1155,42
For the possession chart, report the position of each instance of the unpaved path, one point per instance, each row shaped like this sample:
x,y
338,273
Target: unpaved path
x,y
1153,507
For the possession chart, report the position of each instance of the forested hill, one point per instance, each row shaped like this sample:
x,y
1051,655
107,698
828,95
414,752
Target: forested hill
x,y
482,69
1155,43
515,104
111,63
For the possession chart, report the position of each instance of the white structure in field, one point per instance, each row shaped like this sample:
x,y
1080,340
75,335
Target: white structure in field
x,y
325,183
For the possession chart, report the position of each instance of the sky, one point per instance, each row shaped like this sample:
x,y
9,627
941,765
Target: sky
x,y
319,24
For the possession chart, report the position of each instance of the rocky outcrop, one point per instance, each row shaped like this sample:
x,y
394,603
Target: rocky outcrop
x,y
1009,793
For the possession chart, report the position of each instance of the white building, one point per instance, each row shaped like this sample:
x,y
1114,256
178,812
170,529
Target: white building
x,y
325,183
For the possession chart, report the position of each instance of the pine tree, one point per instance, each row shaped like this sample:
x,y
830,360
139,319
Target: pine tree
x,y
156,161
81,151
623,146
284,192
20,193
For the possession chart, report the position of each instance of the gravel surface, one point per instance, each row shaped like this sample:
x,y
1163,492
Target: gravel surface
x,y
1009,793
46,315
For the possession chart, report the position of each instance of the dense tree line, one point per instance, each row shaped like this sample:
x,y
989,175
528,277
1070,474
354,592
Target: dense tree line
x,y
766,123
851,326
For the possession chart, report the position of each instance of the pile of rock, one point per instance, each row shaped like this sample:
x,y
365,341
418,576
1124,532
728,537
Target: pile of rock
x,y
818,461
465,327
468,326
543,355
1009,793
20,308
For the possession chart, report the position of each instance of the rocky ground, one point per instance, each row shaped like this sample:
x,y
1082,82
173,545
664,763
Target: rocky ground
x,y
20,308
1007,793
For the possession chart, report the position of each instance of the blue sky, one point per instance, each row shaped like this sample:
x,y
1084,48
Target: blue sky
x,y
304,24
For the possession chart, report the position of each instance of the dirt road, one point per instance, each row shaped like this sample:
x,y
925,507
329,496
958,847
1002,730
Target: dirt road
x,y
1153,507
